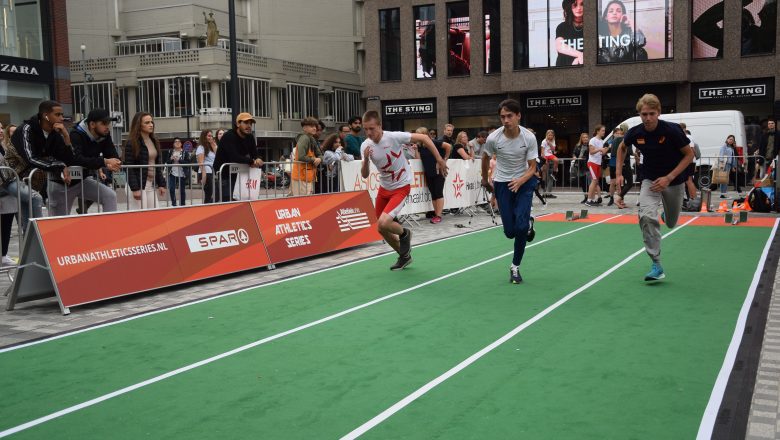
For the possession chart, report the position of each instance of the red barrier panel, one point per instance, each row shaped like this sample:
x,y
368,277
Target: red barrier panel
x,y
299,227
83,259
104,256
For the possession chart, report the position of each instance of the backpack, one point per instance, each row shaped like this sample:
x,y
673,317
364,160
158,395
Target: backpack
x,y
23,168
759,200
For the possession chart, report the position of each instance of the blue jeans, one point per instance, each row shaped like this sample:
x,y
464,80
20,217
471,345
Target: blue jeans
x,y
173,181
515,208
25,194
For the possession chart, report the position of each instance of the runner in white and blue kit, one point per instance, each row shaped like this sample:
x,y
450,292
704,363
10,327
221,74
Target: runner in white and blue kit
x,y
514,180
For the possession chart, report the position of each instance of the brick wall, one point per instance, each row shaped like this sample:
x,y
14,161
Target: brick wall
x,y
61,57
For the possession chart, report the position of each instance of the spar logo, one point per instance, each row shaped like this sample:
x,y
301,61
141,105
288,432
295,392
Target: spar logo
x,y
352,219
217,240
457,184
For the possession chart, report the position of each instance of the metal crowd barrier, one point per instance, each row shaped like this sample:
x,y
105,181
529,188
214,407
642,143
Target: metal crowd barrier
x,y
568,179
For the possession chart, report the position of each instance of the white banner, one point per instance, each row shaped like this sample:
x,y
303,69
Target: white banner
x,y
462,187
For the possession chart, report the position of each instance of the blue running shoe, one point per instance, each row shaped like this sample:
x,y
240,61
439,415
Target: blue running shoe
x,y
656,273
514,275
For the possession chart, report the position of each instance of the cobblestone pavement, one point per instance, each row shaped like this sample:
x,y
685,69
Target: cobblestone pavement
x,y
42,318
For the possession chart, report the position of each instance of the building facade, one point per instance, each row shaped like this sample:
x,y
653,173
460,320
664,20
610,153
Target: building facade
x,y
295,59
33,57
572,64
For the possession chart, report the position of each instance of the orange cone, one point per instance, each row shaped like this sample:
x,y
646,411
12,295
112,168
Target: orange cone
x,y
746,205
704,207
723,207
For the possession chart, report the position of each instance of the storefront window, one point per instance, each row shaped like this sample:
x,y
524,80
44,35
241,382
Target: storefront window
x,y
548,33
19,100
390,44
759,23
425,41
20,29
631,30
619,104
707,29
491,9
458,39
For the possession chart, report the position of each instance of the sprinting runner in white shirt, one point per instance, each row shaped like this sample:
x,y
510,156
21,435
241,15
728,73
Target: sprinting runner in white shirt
x,y
385,150
514,179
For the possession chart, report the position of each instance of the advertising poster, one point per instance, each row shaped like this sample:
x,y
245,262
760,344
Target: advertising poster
x,y
759,24
425,41
458,39
555,32
630,31
707,29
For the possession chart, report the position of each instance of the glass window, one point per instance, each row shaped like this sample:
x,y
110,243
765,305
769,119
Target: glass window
x,y
759,23
205,95
491,9
548,33
103,94
631,30
458,39
425,41
19,100
168,97
20,29
390,44
302,101
347,104
254,96
707,29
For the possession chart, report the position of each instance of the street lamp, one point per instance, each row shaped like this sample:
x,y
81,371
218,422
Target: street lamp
x,y
86,88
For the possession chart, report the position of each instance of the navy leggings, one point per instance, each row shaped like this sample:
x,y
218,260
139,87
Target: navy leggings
x,y
515,208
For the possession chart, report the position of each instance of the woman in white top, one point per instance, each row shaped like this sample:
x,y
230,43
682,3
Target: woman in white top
x,y
206,163
596,149
548,151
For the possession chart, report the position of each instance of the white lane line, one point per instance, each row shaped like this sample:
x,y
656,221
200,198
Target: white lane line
x,y
235,292
401,404
716,397
186,368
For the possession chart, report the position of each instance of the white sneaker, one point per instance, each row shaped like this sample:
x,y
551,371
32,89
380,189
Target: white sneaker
x,y
8,261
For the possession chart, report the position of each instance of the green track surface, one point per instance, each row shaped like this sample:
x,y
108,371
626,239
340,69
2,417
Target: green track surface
x,y
621,360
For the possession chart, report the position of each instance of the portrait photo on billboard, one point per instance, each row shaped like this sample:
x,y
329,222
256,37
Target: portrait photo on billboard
x,y
458,39
630,31
759,26
553,32
568,39
425,42
707,29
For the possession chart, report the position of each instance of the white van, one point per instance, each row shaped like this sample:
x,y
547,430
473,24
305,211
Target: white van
x,y
708,129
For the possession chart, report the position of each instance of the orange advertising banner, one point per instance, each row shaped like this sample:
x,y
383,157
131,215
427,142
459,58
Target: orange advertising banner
x,y
300,227
98,257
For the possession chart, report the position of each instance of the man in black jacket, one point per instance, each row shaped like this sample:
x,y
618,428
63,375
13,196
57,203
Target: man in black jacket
x,y
44,143
769,146
94,149
236,146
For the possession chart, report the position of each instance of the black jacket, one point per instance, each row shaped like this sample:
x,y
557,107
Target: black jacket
x,y
762,148
134,175
91,151
48,154
235,149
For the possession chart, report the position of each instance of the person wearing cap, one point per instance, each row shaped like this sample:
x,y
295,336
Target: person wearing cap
x,y
91,139
236,146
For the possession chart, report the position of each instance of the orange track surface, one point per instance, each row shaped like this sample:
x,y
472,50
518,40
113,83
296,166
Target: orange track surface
x,y
630,219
